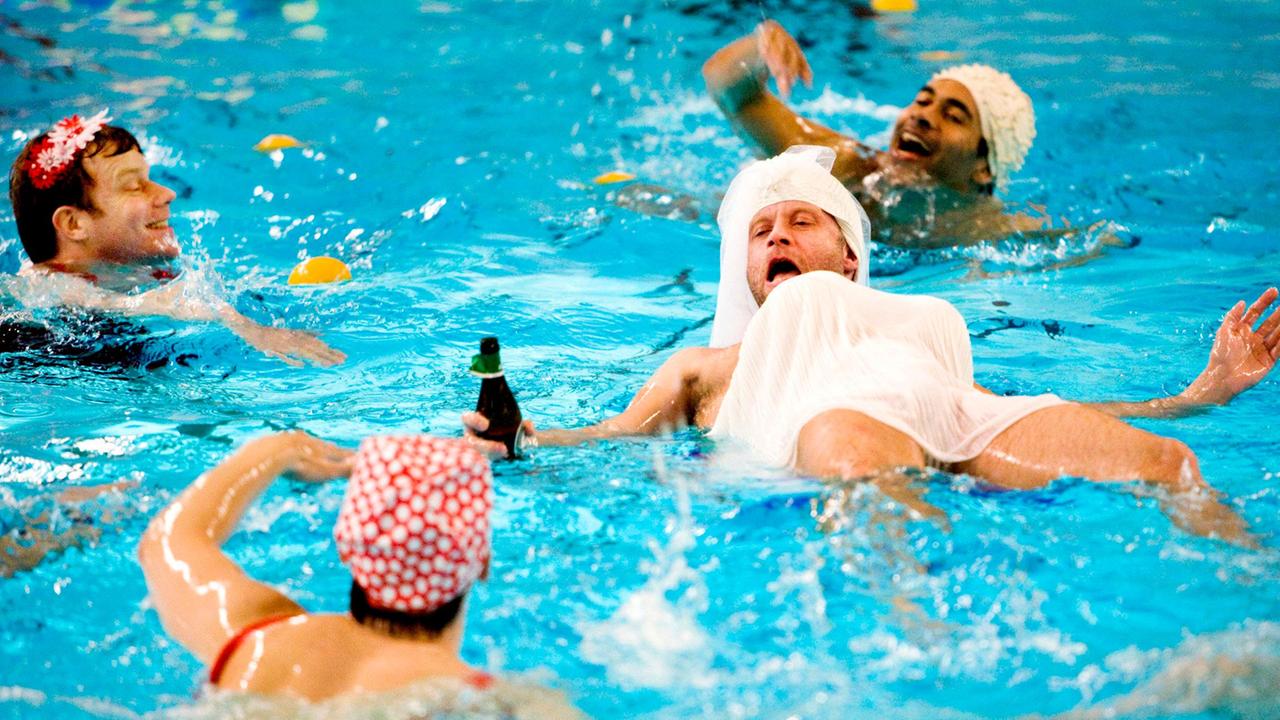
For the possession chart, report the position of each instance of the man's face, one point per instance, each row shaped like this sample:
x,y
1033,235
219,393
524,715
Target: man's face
x,y
793,237
130,220
939,133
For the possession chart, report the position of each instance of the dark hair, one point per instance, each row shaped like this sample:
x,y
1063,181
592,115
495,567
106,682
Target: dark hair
x,y
33,208
403,624
983,151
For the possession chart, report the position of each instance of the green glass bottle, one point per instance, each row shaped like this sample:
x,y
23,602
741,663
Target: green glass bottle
x,y
497,402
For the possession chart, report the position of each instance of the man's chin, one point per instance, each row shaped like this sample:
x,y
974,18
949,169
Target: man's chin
x,y
167,249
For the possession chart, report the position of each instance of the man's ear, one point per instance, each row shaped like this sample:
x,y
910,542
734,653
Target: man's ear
x,y
850,263
981,175
70,223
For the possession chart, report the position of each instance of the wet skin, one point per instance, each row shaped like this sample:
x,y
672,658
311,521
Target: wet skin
x,y
940,133
129,220
1067,440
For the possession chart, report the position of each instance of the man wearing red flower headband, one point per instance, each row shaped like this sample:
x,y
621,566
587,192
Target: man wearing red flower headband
x,y
86,208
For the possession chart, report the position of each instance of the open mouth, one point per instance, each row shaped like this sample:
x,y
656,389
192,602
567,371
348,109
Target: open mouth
x,y
911,144
781,268
158,225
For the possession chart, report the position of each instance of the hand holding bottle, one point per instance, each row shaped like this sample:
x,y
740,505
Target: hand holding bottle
x,y
475,423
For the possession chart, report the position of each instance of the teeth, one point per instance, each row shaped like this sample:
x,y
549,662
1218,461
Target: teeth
x,y
912,137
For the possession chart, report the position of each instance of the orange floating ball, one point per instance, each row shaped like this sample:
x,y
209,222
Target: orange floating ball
x,y
615,176
275,142
319,270
888,6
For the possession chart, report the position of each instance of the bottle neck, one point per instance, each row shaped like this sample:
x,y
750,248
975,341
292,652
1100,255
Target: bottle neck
x,y
486,365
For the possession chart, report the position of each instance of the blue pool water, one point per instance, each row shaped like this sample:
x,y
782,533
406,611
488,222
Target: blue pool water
x,y
450,151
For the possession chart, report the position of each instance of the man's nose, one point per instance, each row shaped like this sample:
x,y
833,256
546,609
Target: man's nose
x,y
921,120
779,236
163,194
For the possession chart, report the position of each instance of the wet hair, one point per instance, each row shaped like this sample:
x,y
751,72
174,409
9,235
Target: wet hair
x,y
403,624
33,208
983,151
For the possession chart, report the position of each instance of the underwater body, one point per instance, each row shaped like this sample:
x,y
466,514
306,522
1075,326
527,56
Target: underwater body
x,y
449,152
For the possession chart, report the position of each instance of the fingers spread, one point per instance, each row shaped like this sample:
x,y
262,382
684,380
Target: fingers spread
x,y
1260,305
1235,312
1270,324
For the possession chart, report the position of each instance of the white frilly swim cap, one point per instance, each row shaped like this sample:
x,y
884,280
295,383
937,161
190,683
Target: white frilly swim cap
x,y
803,173
1008,120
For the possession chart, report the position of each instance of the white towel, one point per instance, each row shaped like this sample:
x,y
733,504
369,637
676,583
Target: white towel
x,y
803,172
821,342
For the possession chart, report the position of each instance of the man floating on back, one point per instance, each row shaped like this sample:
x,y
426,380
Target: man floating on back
x,y
811,369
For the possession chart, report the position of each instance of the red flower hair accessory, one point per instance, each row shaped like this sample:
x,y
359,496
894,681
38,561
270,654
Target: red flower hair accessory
x,y
55,154
414,525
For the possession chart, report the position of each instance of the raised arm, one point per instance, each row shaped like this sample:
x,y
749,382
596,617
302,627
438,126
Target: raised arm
x,y
202,597
1241,357
665,403
737,77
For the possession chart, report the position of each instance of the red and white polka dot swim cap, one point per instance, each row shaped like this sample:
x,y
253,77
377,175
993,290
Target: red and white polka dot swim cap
x,y
414,525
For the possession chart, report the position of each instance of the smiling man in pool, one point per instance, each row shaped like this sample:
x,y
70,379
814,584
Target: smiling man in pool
x,y
967,131
96,226
811,369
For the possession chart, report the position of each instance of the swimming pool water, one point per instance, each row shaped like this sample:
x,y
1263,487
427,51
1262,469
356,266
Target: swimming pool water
x,y
450,151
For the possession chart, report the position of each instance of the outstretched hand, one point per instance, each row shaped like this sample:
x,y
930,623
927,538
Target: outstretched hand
x,y
1241,356
783,57
291,346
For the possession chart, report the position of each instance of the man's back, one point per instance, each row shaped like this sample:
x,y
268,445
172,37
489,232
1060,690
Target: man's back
x,y
317,657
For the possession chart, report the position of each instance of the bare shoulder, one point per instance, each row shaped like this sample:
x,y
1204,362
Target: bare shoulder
x,y
265,659
695,362
704,369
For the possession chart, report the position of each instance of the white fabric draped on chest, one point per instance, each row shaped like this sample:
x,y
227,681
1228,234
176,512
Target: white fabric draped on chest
x,y
821,342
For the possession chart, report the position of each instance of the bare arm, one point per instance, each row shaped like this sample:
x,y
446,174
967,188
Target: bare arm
x,y
665,403
181,300
736,78
204,598
1241,358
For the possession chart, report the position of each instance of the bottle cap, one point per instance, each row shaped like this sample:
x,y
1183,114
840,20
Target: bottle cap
x,y
488,363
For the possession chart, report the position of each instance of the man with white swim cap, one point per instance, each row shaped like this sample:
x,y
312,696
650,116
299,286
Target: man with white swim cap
x,y
967,131
811,369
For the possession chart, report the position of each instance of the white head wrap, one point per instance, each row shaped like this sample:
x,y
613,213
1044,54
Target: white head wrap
x,y
803,172
1008,120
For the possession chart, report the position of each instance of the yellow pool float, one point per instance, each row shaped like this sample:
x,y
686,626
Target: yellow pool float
x,y
276,141
319,270
613,176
